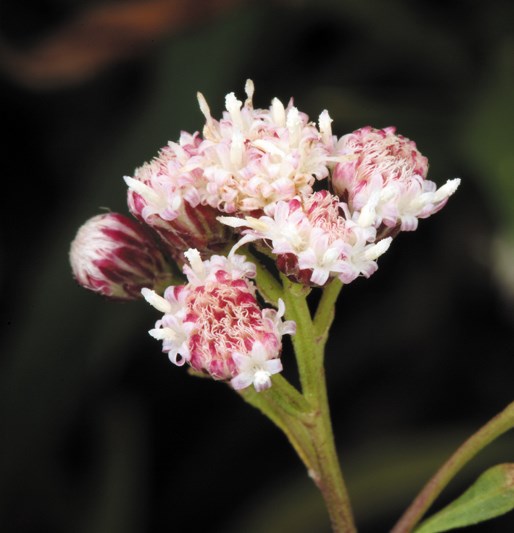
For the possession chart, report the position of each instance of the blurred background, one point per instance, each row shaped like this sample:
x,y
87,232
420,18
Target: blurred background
x,y
98,431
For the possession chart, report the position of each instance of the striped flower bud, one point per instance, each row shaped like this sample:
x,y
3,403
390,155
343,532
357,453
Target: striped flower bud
x,y
116,256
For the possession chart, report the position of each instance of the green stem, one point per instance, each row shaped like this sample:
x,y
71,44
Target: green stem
x,y
329,478
304,416
484,436
270,404
309,352
289,398
269,287
325,312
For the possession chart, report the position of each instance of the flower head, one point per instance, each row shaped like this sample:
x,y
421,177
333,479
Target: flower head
x,y
313,240
167,194
116,256
382,177
215,324
256,157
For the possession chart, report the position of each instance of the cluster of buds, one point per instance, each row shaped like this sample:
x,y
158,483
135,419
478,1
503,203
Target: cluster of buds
x,y
253,176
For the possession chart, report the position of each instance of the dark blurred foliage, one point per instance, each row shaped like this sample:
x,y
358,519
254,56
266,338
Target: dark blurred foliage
x,y
99,432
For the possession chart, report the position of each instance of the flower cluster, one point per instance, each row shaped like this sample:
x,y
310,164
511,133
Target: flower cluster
x,y
215,324
325,207
255,157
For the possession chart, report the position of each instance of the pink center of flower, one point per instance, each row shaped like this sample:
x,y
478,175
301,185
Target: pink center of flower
x,y
227,319
323,211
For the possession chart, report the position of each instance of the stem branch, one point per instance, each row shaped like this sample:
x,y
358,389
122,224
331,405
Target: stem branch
x,y
484,436
325,312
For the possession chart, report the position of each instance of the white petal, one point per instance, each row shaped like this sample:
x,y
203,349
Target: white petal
x,y
149,195
249,90
236,150
197,266
163,333
274,366
176,358
241,381
234,222
319,276
378,249
233,106
294,125
241,360
281,308
278,112
156,301
259,353
446,190
288,327
325,126
261,380
204,107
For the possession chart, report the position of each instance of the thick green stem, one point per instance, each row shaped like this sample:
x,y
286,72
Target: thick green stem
x,y
270,403
484,436
309,349
329,478
304,416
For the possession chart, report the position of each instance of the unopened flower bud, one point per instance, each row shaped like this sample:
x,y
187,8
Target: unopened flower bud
x,y
116,256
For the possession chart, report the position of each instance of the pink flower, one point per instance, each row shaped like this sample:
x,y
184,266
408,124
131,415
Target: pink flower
x,y
382,178
215,324
255,157
313,240
166,194
116,256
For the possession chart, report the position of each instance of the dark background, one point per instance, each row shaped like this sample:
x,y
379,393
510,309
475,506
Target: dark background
x,y
98,431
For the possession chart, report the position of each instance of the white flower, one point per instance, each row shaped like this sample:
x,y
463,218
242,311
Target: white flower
x,y
168,194
382,177
255,368
313,240
216,315
255,157
232,267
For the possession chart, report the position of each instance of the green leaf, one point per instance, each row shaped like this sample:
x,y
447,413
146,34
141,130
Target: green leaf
x,y
491,495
